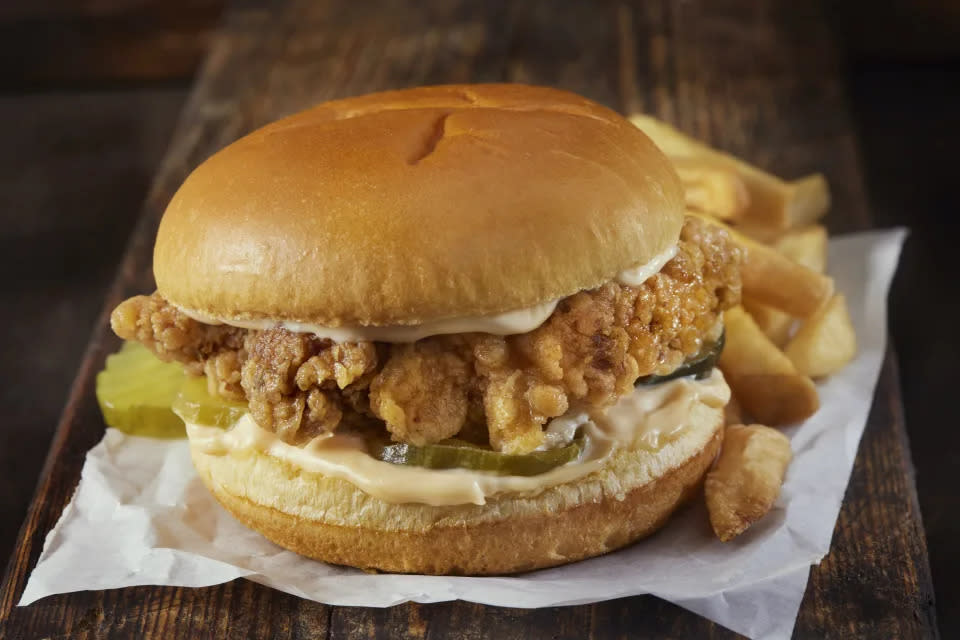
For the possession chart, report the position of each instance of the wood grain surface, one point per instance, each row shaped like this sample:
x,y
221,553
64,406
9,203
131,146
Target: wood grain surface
x,y
80,164
59,43
760,79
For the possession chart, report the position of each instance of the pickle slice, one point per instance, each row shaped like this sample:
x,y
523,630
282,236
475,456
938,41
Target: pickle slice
x,y
458,456
195,404
135,390
699,365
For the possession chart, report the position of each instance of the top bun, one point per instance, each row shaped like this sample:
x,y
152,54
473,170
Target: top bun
x,y
418,205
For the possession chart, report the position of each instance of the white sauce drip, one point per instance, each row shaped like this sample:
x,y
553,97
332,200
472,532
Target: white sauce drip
x,y
501,324
636,276
648,418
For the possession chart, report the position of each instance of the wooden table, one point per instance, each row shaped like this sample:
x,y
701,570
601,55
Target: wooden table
x,y
760,79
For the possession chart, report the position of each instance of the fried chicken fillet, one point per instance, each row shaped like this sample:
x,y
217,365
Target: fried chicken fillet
x,y
496,389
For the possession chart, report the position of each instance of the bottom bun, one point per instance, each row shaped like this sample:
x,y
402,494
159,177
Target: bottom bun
x,y
331,520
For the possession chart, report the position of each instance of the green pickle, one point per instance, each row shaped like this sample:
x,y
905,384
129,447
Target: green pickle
x,y
456,454
699,365
460,455
195,404
135,391
142,395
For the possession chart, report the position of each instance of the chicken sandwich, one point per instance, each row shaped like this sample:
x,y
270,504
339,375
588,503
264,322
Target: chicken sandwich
x,y
460,329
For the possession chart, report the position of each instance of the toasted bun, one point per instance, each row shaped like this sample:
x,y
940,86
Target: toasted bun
x,y
331,520
410,206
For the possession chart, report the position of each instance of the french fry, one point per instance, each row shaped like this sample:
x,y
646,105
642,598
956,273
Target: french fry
x,y
714,190
747,478
671,141
773,279
806,245
774,323
826,342
775,204
764,380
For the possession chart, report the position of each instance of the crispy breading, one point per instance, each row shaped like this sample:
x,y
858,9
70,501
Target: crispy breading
x,y
292,380
422,392
597,343
590,351
171,334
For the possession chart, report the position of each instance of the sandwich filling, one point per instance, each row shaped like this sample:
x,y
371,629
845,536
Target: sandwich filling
x,y
651,419
493,390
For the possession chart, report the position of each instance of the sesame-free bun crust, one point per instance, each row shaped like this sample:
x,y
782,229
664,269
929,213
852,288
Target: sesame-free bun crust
x,y
417,205
331,520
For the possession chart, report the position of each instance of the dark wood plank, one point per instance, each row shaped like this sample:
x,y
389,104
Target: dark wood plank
x,y
57,44
70,190
203,128
902,30
784,108
922,195
760,79
876,580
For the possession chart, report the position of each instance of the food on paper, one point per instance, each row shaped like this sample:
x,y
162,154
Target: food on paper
x,y
477,329
458,329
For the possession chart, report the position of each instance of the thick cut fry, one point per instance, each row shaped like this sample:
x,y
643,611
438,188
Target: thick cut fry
x,y
781,283
775,204
826,342
773,279
764,380
774,323
747,479
794,204
807,246
674,143
714,190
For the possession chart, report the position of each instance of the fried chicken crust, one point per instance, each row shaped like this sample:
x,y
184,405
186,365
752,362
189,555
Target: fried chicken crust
x,y
422,392
590,350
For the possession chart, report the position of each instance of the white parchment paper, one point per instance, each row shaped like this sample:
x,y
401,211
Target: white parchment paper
x,y
141,516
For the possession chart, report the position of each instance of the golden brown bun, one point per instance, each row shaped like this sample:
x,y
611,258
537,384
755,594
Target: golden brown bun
x,y
331,520
417,205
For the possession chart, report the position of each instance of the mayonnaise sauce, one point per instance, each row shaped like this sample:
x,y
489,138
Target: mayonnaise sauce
x,y
636,276
501,324
647,418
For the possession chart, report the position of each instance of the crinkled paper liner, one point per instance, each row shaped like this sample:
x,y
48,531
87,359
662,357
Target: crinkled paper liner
x,y
164,528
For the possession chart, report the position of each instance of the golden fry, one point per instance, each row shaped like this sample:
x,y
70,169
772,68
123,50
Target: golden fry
x,y
774,323
808,198
806,246
747,478
826,342
714,190
671,141
773,279
775,204
764,380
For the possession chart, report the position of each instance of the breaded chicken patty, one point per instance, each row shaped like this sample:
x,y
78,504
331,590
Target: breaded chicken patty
x,y
496,389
